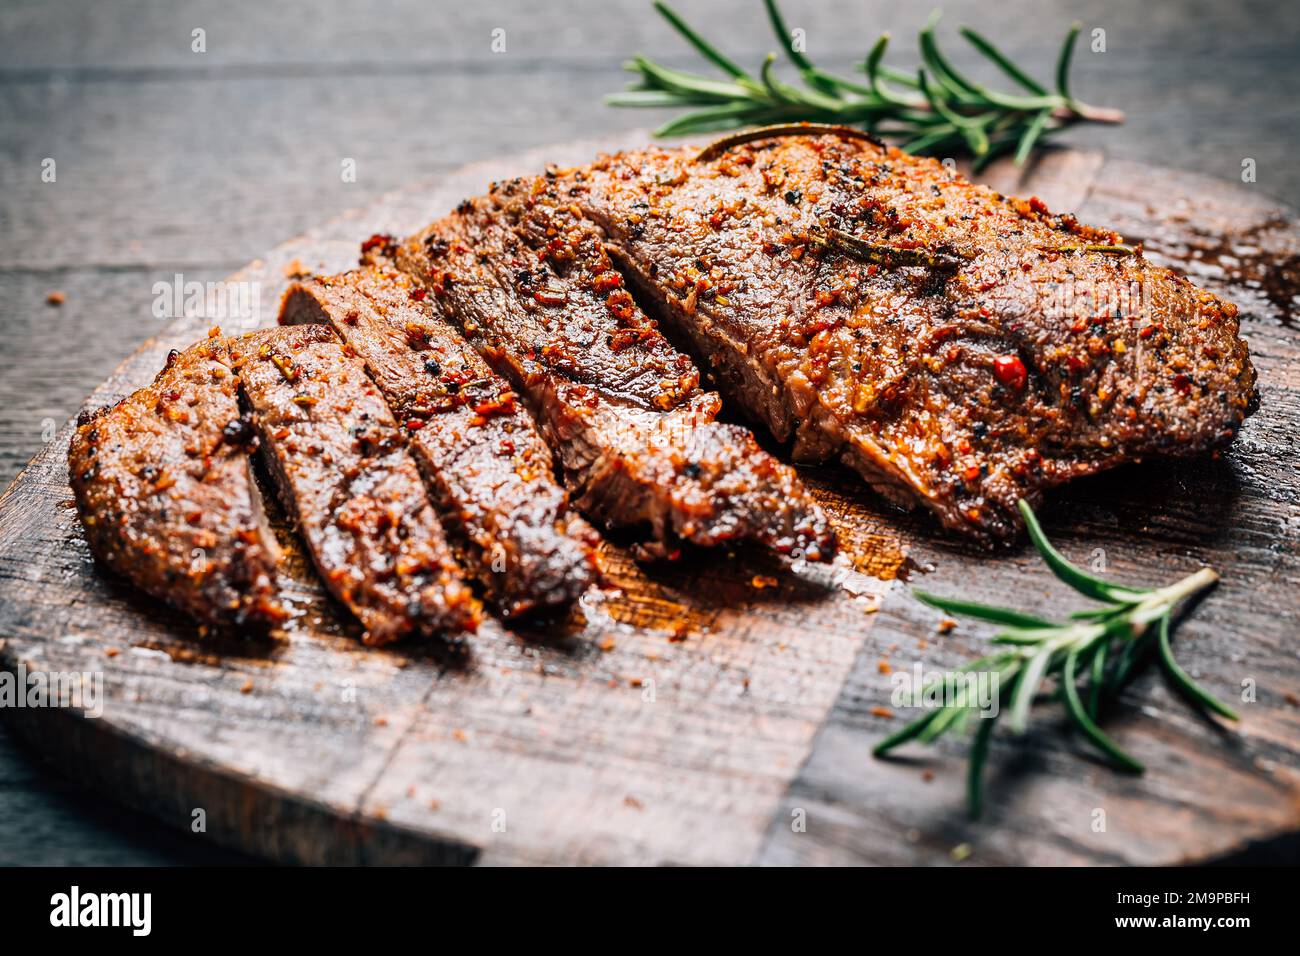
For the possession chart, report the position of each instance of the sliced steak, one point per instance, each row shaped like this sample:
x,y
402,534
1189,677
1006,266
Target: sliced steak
x,y
491,472
959,348
342,467
166,496
530,285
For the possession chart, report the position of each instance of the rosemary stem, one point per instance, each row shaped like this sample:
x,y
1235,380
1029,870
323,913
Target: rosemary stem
x,y
1159,603
935,110
1091,114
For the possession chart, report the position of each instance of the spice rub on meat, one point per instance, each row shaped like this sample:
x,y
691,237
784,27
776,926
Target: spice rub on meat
x,y
529,284
491,473
959,348
163,485
342,467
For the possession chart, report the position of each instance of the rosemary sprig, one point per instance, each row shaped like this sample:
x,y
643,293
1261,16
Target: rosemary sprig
x,y
1097,647
937,110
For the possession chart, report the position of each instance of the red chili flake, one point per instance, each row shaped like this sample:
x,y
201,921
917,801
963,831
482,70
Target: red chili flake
x,y
1182,384
621,304
606,281
503,404
416,337
1010,371
415,424
417,295
1146,332
550,296
379,240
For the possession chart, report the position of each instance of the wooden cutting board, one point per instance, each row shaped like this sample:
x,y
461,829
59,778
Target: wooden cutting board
x,y
720,709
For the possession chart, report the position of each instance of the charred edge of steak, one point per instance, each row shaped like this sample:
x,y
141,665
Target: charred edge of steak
x,y
961,388
164,488
490,471
343,470
532,289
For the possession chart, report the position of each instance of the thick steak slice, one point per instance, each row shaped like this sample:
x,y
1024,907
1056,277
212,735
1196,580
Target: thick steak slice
x,y
530,285
491,472
164,489
959,348
343,470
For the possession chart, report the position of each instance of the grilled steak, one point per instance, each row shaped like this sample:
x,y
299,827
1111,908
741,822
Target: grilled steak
x,y
491,472
530,285
163,485
342,467
959,348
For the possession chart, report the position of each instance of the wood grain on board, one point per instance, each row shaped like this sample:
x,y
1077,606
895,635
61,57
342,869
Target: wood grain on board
x,y
720,709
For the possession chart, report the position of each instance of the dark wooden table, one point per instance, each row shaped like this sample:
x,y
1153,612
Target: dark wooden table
x,y
173,161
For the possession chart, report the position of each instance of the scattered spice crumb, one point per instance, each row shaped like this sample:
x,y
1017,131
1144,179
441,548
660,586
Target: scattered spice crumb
x,y
927,775
760,581
881,712
947,625
606,644
460,735
884,666
1291,699
248,687
57,297
633,802
111,652
635,681
435,804
381,720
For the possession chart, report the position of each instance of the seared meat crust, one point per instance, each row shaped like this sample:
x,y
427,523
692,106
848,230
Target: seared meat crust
x,y
491,473
166,496
959,348
342,468
529,284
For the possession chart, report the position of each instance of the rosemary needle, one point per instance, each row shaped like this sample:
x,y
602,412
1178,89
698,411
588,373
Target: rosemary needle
x,y
937,110
1098,645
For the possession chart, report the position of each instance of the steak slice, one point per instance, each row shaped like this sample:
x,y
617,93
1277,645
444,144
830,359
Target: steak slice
x,y
342,467
492,474
959,348
530,285
165,493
